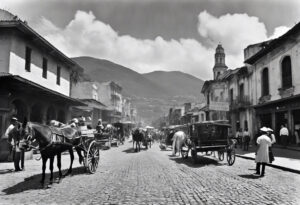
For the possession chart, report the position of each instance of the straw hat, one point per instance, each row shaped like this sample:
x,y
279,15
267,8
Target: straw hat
x,y
264,129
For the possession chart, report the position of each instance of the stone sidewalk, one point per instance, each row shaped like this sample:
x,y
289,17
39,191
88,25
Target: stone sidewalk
x,y
286,158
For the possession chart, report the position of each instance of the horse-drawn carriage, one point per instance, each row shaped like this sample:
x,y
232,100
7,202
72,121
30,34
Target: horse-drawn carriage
x,y
167,138
208,137
52,141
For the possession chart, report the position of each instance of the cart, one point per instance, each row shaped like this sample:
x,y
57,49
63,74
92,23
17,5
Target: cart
x,y
90,148
209,136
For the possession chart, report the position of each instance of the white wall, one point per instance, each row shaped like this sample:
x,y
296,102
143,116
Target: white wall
x,y
273,63
5,41
17,67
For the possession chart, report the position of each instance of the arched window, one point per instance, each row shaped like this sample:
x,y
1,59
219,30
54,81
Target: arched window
x,y
286,72
265,82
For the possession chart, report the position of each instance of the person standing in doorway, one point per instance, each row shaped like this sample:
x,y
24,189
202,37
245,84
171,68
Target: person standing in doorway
x,y
262,154
284,135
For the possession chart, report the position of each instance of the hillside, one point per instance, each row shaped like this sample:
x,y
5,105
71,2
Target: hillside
x,y
133,83
152,93
177,83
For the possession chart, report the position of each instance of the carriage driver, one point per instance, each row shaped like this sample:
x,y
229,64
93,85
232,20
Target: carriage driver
x,y
100,127
74,123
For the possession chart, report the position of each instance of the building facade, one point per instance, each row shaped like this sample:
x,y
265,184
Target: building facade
x,y
275,82
216,90
88,93
110,94
35,77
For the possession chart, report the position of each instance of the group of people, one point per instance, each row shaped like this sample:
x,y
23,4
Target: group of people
x,y
243,138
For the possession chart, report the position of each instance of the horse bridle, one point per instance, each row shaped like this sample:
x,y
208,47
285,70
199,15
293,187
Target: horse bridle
x,y
29,139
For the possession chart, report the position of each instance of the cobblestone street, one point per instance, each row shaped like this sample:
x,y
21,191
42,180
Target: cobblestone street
x,y
152,177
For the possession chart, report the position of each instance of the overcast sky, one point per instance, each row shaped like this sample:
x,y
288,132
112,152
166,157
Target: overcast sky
x,y
148,35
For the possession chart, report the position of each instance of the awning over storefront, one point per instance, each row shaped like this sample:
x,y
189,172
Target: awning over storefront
x,y
91,103
15,83
279,101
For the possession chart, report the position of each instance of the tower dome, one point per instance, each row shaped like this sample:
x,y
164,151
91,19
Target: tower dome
x,y
220,66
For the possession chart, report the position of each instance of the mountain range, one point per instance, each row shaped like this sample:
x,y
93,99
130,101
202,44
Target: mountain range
x,y
152,93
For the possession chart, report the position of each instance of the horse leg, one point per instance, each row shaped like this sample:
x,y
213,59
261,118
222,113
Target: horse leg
x,y
51,169
71,163
44,159
59,166
79,154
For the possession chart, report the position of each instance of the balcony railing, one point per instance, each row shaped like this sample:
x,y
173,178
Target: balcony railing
x,y
241,102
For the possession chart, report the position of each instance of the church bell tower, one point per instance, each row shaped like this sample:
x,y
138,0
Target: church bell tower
x,y
220,66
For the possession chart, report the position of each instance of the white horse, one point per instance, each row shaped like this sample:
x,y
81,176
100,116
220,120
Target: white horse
x,y
178,140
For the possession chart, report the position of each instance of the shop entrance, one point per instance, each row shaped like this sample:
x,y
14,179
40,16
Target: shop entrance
x,y
266,120
280,119
296,117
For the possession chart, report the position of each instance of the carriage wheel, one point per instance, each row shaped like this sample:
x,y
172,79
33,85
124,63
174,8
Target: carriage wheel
x,y
231,157
221,155
92,157
184,152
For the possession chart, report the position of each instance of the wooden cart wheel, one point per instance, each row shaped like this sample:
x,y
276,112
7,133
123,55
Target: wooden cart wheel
x,y
185,152
221,155
92,157
231,157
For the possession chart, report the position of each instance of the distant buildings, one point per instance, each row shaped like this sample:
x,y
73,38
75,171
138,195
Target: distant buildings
x,y
104,101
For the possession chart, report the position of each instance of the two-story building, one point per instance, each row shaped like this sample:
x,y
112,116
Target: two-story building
x,y
88,93
35,77
276,81
110,94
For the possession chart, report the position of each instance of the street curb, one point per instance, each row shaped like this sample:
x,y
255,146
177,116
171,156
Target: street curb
x,y
272,165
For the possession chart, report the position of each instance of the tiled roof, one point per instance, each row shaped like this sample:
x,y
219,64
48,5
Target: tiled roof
x,y
273,44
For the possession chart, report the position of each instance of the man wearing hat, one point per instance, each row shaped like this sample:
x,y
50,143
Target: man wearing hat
x,y
262,154
13,140
11,126
100,127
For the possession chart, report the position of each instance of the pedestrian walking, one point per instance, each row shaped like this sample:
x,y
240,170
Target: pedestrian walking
x,y
262,154
284,135
246,139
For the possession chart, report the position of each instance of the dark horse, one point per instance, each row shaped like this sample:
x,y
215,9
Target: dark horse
x,y
137,138
52,142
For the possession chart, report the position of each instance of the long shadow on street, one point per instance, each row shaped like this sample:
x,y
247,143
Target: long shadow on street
x,y
33,182
132,150
200,162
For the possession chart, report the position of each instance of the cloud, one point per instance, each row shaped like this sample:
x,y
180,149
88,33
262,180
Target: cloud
x,y
279,31
87,36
